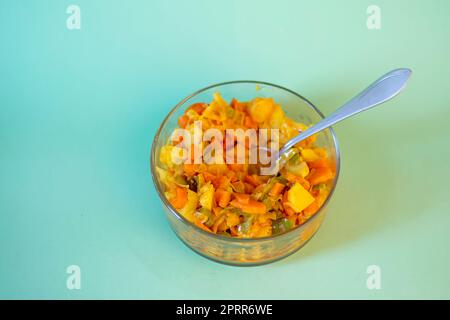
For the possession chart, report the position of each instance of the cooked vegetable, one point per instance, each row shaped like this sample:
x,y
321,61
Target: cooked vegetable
x,y
204,216
251,206
189,208
281,225
242,197
261,108
309,155
233,199
183,121
197,107
223,198
320,175
180,199
276,189
297,166
299,198
206,194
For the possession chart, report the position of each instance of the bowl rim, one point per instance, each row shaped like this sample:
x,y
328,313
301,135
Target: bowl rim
x,y
177,215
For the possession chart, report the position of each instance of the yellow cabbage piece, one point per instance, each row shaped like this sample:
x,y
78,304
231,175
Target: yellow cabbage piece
x,y
163,175
191,205
232,219
218,109
206,193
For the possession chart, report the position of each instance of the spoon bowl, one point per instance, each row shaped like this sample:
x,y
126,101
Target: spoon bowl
x,y
385,88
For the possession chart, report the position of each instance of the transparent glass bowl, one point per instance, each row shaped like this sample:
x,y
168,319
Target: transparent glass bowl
x,y
252,251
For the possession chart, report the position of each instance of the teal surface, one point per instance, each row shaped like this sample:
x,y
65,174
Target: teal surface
x,y
79,109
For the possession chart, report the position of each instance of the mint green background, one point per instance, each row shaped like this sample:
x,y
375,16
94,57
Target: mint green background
x,y
79,109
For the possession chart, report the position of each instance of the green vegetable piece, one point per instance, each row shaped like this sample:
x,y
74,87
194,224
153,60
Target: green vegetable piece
x,y
281,225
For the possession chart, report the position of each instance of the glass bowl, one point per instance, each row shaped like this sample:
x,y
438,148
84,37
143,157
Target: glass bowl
x,y
245,251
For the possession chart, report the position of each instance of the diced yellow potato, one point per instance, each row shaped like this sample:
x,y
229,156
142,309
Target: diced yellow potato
x,y
277,118
189,209
206,194
321,152
309,155
299,198
261,108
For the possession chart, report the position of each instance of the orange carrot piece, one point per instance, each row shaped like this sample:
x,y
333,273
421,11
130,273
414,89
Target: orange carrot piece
x,y
197,107
234,103
223,197
276,189
180,199
253,206
202,226
183,121
209,177
217,210
289,211
232,176
189,169
294,178
242,197
249,123
320,175
291,177
238,106
253,180
319,163
311,209
248,187
221,182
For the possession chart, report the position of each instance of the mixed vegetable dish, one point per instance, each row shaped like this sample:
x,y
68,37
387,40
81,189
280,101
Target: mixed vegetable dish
x,y
234,199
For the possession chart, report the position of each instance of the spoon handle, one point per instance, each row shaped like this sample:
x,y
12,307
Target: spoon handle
x,y
382,90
